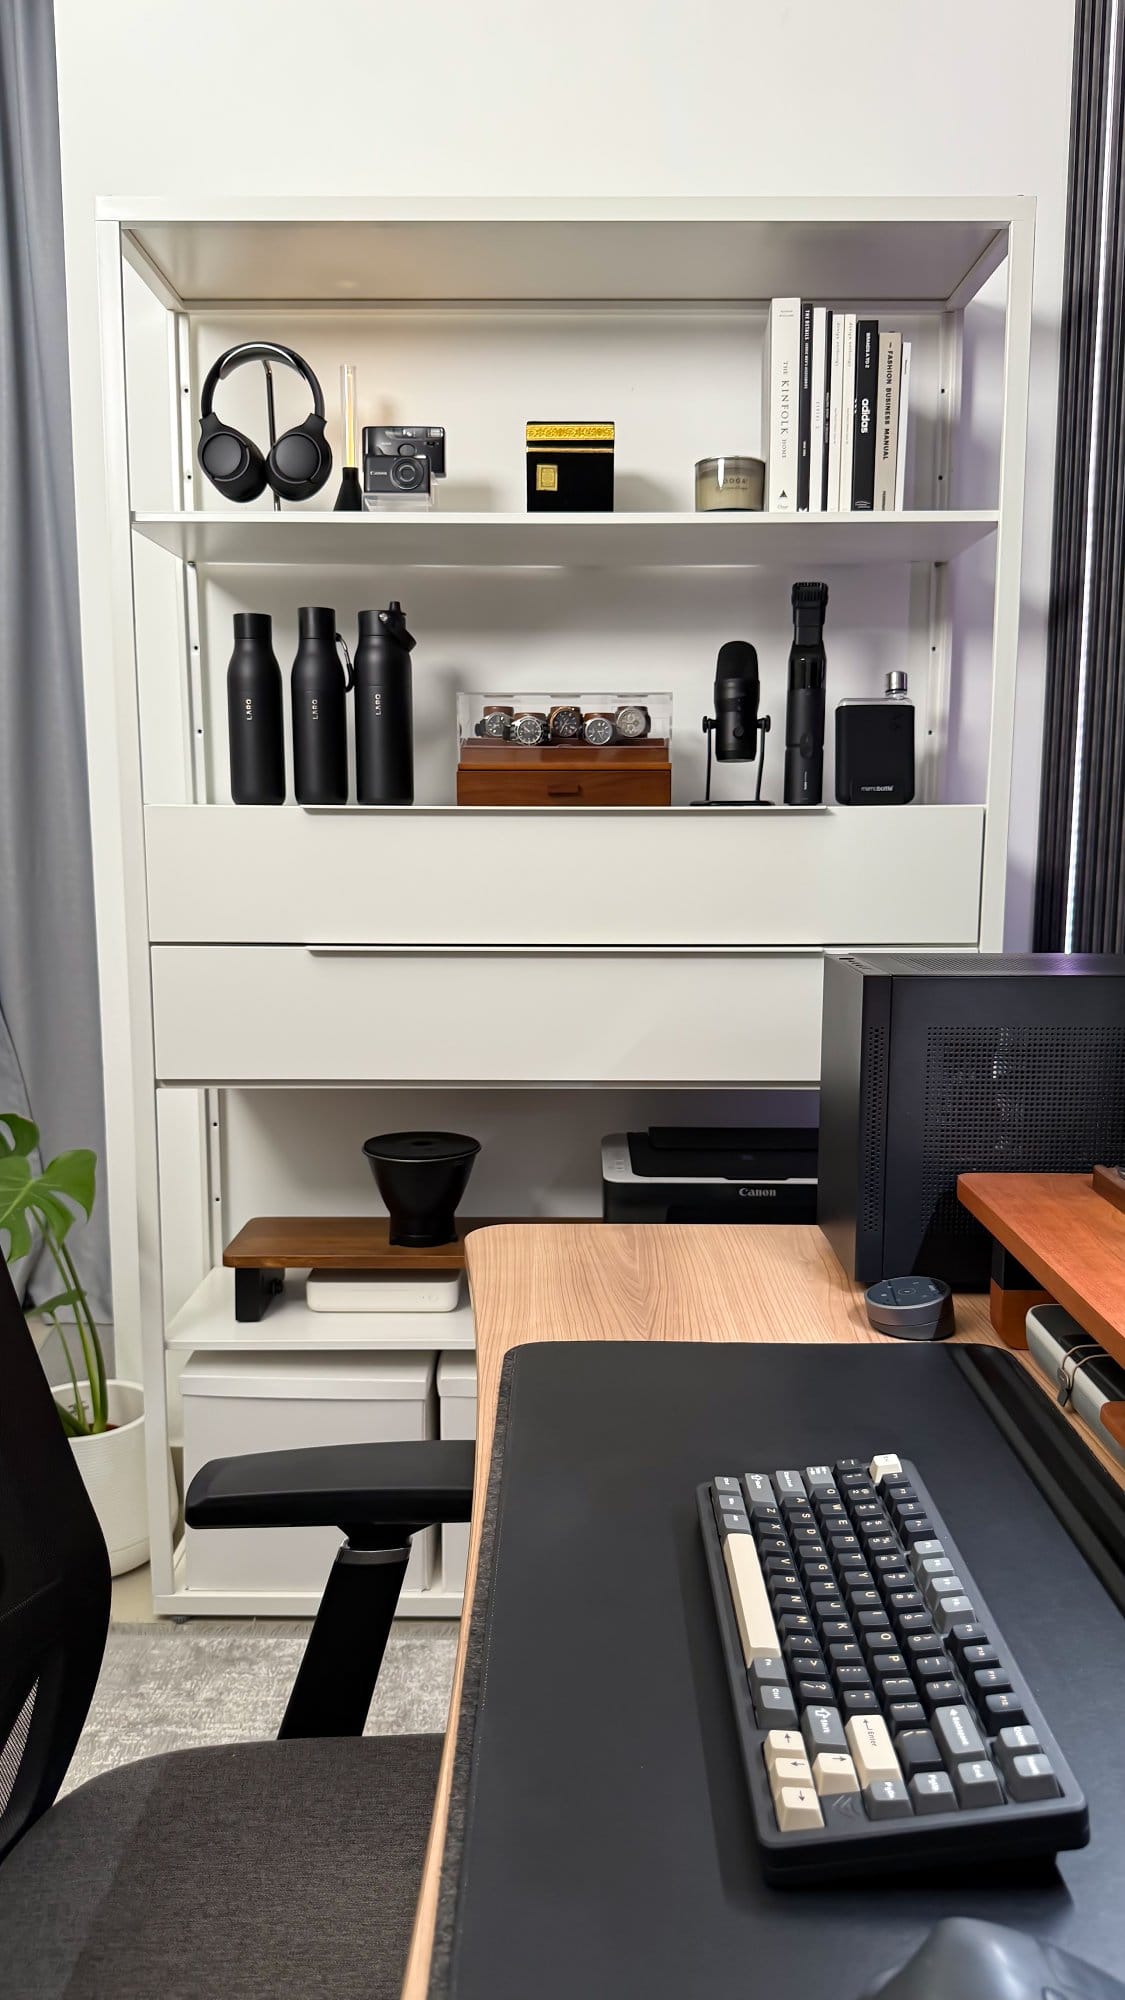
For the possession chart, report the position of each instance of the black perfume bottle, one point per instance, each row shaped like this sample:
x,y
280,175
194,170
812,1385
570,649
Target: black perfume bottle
x,y
318,689
254,714
384,724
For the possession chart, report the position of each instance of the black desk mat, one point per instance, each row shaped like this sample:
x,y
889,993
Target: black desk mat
x,y
601,1841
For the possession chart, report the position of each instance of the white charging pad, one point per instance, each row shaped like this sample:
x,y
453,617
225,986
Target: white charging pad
x,y
383,1291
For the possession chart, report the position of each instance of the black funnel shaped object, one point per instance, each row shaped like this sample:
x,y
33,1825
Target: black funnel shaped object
x,y
422,1177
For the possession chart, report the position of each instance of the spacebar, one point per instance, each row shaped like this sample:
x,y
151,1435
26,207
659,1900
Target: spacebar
x,y
752,1606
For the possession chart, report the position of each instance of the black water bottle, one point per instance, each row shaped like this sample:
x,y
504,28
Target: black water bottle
x,y
254,714
384,728
320,724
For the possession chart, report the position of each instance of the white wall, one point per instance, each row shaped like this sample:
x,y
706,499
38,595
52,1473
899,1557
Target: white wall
x,y
207,97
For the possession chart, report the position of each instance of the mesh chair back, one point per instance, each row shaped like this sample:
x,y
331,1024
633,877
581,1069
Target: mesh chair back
x,y
54,1585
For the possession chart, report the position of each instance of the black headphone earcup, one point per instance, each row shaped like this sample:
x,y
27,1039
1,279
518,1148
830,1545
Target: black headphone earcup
x,y
300,462
232,462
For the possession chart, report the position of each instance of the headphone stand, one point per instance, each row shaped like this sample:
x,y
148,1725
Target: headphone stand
x,y
271,420
763,726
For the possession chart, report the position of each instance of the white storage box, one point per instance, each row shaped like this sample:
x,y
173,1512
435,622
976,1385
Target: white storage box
x,y
457,1401
274,1402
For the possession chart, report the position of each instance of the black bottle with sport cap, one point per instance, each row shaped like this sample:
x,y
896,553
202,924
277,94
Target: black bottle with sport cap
x,y
254,714
384,726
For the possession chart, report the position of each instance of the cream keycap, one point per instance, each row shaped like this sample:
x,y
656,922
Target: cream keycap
x,y
884,1465
797,1809
872,1749
783,1743
833,1773
752,1606
789,1771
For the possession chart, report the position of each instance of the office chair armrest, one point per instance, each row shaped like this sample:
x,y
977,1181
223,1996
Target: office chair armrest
x,y
406,1486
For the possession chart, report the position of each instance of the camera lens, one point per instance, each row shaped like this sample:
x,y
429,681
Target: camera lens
x,y
407,475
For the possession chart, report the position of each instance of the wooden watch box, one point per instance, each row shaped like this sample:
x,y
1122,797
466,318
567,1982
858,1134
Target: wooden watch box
x,y
509,774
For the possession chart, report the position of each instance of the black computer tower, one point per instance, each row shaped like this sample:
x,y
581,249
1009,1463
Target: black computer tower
x,y
950,1063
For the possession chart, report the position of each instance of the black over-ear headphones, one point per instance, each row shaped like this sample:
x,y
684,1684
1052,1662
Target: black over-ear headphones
x,y
297,465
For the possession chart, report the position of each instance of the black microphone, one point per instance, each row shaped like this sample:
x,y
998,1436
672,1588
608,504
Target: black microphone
x,y
804,707
737,692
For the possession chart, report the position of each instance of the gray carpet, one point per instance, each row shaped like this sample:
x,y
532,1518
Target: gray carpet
x,y
169,1686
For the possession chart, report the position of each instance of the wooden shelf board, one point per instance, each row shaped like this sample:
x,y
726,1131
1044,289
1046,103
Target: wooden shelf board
x,y
561,541
1067,1236
207,1321
341,1243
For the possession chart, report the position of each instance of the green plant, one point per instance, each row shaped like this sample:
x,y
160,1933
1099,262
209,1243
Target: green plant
x,y
50,1200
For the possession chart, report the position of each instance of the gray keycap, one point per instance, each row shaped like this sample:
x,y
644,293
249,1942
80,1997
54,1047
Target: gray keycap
x,y
769,1671
774,1707
951,1611
887,1798
725,1482
932,1792
956,1733
822,1729
818,1479
758,1488
977,1783
1031,1777
936,1587
933,1566
790,1485
921,1552
1018,1740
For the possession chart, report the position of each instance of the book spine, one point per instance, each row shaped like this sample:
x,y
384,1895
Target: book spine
x,y
780,380
903,418
816,419
847,415
886,434
866,406
804,438
835,414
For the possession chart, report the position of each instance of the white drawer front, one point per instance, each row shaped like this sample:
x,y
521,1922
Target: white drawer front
x,y
257,1014
894,876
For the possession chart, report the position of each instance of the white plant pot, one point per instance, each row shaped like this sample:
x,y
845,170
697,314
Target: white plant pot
x,y
112,1465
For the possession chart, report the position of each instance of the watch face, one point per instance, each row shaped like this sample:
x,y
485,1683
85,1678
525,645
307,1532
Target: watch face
x,y
528,729
566,724
496,724
599,730
632,722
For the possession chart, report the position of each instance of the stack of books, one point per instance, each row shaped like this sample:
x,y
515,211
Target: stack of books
x,y
835,398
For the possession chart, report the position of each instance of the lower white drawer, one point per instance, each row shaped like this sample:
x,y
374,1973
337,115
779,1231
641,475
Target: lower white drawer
x,y
294,1014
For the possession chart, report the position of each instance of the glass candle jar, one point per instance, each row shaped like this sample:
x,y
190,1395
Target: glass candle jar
x,y
729,485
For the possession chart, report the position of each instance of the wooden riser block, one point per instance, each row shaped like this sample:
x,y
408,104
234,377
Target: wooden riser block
x,y
1109,1182
1008,1312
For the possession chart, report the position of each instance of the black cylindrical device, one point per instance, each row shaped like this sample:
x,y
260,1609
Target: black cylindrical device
x,y
737,692
318,689
254,714
384,723
804,707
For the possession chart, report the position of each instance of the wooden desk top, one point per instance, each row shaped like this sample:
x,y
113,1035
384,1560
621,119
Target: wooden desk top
x,y
1067,1235
633,1281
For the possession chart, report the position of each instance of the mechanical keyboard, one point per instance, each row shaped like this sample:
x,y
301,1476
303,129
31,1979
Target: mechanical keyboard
x,y
883,1722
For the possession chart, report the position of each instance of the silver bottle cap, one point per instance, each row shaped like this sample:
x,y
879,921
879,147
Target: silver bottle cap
x,y
896,682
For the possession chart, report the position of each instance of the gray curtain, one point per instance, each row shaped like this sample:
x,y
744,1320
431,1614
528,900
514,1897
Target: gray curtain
x,y
50,1051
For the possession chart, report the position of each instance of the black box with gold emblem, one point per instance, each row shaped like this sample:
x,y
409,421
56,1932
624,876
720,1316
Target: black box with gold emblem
x,y
570,468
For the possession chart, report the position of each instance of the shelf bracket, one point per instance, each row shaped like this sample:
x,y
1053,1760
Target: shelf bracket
x,y
254,1291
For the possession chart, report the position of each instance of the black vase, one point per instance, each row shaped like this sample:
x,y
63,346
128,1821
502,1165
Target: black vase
x,y
421,1177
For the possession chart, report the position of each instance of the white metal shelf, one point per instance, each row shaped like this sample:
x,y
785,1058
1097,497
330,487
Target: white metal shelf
x,y
362,252
207,1321
325,540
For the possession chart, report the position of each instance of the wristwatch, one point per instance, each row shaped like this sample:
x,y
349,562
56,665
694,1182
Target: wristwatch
x,y
496,722
529,728
599,729
632,722
565,722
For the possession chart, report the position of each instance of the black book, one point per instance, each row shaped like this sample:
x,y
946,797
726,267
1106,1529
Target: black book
x,y
866,403
823,469
804,412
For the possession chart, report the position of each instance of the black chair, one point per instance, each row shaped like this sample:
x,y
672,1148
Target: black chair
x,y
253,1871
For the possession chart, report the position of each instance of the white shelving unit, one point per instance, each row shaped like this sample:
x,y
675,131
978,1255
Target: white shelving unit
x,y
246,950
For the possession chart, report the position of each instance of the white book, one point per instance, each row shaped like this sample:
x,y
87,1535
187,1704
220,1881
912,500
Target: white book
x,y
816,419
835,414
847,415
903,415
886,421
781,377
